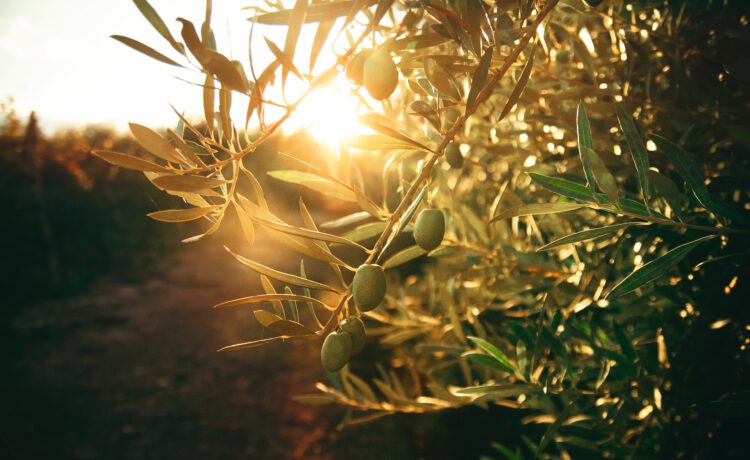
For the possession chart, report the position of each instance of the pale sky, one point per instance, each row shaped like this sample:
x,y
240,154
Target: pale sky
x,y
56,57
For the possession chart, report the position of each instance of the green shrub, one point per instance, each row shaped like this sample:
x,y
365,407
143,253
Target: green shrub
x,y
591,272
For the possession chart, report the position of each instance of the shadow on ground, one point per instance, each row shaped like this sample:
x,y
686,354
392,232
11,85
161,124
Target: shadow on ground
x,y
131,371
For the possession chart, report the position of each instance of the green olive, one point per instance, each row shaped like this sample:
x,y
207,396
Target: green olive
x,y
429,229
453,156
368,286
336,351
380,75
356,68
592,3
356,329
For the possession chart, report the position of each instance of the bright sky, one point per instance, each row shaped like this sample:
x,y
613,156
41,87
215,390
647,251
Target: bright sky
x,y
56,57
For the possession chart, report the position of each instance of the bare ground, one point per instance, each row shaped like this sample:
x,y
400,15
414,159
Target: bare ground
x,y
131,371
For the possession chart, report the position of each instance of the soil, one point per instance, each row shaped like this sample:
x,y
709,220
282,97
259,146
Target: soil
x,y
132,371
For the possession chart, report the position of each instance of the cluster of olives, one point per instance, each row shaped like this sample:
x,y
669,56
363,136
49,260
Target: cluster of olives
x,y
368,291
375,70
339,346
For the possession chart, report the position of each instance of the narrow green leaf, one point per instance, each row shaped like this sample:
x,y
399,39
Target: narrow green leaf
x,y
587,235
655,269
603,177
563,187
405,219
404,256
366,231
637,149
583,129
488,361
292,304
536,209
493,351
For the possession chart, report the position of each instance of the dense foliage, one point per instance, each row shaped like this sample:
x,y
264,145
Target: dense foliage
x,y
580,256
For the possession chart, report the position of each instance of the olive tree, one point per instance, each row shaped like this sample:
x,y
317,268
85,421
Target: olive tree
x,y
562,172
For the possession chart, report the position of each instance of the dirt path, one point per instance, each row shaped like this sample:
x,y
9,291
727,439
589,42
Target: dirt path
x,y
130,371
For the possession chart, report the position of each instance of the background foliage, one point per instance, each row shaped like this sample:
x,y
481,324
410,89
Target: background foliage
x,y
591,277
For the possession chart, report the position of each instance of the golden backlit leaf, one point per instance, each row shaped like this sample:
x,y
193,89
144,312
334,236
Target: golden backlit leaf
x,y
155,144
187,183
280,276
126,161
180,215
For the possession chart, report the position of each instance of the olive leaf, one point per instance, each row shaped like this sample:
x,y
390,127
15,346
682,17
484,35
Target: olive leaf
x,y
523,80
126,161
536,209
296,19
375,122
155,144
269,298
478,80
281,326
583,129
317,12
158,24
404,220
494,357
588,235
380,142
655,269
637,149
145,49
604,178
316,183
404,256
180,215
186,183
310,234
280,276
284,59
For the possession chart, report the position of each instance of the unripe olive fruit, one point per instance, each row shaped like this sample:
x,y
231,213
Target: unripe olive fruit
x,y
380,75
356,67
356,329
336,351
368,286
453,156
429,229
592,3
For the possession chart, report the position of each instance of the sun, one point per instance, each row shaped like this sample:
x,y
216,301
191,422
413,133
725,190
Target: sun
x,y
329,113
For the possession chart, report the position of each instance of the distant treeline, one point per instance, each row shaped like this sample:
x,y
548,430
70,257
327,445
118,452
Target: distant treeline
x,y
69,217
